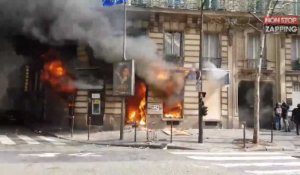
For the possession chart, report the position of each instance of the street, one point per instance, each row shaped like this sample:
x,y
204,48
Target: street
x,y
27,152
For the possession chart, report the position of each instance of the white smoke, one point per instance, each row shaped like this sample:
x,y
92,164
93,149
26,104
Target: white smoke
x,y
214,74
85,22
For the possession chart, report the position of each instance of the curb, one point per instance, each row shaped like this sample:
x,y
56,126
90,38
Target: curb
x,y
134,145
270,149
158,145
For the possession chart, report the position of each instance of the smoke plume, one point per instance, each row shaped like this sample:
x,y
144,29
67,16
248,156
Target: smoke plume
x,y
85,22
11,76
214,75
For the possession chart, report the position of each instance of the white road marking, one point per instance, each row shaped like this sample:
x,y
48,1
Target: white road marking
x,y
261,164
284,172
44,155
227,153
28,140
242,158
85,155
51,140
272,162
6,140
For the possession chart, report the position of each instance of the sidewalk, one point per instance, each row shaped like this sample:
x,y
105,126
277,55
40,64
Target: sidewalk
x,y
213,139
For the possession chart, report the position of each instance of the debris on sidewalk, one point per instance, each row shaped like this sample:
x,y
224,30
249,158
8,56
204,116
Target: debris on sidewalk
x,y
176,132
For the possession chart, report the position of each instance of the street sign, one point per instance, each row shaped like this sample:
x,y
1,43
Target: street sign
x,y
155,108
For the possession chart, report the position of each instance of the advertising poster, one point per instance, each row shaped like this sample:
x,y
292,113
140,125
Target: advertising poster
x,y
123,78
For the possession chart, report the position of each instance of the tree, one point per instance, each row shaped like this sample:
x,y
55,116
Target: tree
x,y
271,7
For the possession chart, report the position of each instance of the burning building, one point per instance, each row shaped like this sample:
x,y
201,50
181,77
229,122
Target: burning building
x,y
67,49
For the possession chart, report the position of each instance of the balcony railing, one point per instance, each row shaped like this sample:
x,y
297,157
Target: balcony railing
x,y
283,7
178,4
253,64
287,7
175,59
210,62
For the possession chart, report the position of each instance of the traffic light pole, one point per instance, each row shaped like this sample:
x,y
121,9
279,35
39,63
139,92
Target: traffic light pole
x,y
200,118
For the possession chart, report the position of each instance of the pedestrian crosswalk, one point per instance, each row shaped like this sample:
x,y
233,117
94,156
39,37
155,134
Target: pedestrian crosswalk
x,y
30,140
255,163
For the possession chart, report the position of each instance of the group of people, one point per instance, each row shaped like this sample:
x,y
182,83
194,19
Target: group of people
x,y
281,112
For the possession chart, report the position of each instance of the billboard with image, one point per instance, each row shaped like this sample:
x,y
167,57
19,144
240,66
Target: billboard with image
x,y
123,78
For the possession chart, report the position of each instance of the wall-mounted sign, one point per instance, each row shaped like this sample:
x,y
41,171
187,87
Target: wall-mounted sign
x,y
123,79
95,95
155,109
281,24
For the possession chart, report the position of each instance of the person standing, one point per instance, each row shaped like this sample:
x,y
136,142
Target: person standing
x,y
285,108
296,117
277,111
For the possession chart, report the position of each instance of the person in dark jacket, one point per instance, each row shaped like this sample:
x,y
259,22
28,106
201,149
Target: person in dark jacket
x,y
296,117
277,111
285,108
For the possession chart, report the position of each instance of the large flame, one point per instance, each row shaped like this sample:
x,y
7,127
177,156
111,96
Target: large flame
x,y
56,75
173,112
169,85
167,81
136,112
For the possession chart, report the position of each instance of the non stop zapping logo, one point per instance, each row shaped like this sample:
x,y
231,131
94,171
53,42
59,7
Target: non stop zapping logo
x,y
281,24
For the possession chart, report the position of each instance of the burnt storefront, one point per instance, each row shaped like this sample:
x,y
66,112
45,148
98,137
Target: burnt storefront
x,y
69,67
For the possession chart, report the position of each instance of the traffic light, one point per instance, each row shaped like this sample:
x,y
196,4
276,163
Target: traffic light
x,y
71,105
203,94
204,110
198,75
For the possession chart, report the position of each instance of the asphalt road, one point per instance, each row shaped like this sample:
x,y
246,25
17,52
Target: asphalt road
x,y
24,152
100,160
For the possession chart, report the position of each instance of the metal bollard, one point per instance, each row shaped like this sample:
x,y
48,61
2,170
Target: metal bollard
x,y
89,127
244,134
72,125
272,132
135,125
171,139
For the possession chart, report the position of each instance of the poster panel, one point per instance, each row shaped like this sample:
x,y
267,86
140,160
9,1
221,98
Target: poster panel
x,y
123,78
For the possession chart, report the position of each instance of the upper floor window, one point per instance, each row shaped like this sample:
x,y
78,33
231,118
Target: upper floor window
x,y
253,45
296,53
211,50
214,4
296,48
173,43
173,47
211,45
296,87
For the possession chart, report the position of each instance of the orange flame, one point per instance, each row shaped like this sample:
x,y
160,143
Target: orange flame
x,y
162,75
142,111
55,74
173,112
136,105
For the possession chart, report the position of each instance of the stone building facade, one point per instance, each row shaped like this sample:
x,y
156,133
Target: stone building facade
x,y
231,43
